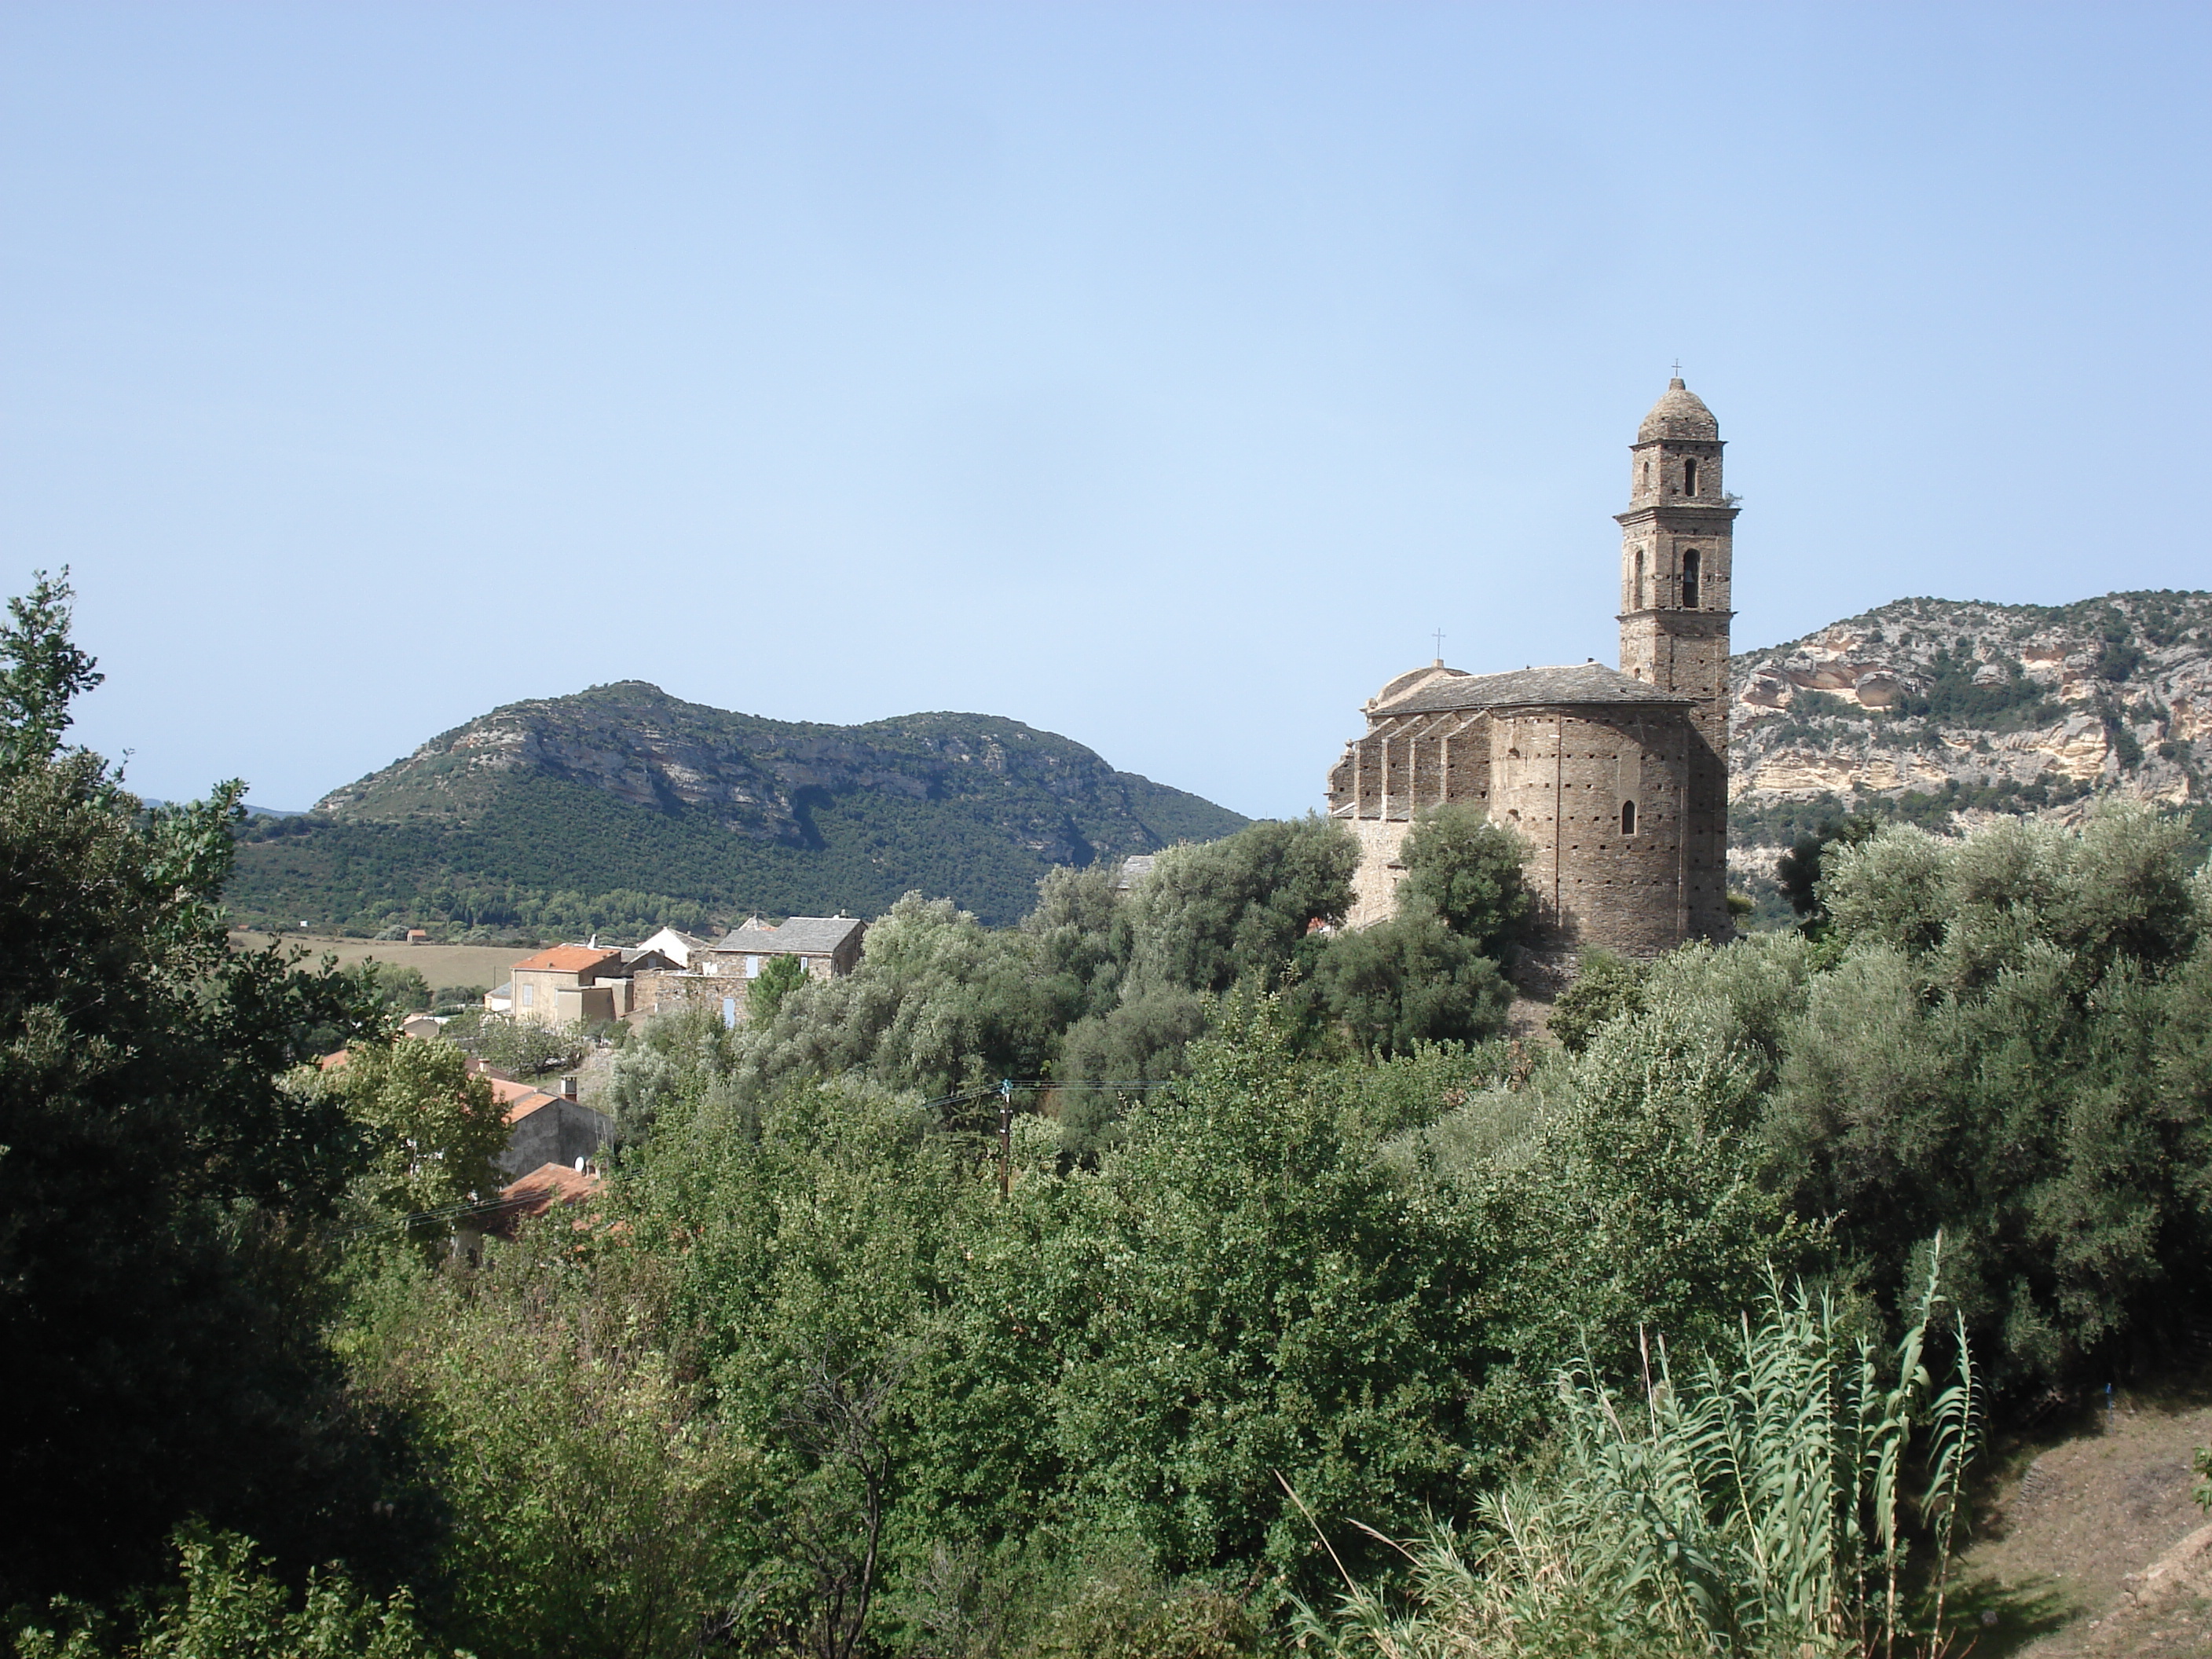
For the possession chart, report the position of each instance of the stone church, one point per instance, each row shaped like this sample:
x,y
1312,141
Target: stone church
x,y
1617,779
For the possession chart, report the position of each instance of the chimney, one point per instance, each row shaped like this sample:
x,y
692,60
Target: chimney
x,y
567,1088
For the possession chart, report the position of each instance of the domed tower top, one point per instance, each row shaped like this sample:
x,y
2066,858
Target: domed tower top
x,y
1680,413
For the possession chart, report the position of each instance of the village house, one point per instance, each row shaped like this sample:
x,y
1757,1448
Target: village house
x,y
827,946
719,974
545,1126
568,983
680,948
573,984
1134,869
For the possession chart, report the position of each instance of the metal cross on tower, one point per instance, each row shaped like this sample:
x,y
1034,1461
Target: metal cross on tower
x,y
1440,644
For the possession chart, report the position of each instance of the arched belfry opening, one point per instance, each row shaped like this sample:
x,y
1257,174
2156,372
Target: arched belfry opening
x,y
1690,580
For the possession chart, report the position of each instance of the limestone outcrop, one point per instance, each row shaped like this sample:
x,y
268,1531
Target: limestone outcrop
x,y
1948,712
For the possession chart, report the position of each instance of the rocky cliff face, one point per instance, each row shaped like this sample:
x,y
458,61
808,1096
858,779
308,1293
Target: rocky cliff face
x,y
1951,711
760,778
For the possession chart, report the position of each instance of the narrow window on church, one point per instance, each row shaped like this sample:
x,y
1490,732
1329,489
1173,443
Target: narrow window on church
x,y
1628,817
1689,477
1638,603
1690,580
1647,475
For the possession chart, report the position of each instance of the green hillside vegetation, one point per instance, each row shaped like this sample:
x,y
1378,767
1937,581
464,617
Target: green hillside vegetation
x,y
1130,1281
631,809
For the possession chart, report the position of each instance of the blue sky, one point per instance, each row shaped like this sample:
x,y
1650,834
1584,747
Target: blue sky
x,y
1158,375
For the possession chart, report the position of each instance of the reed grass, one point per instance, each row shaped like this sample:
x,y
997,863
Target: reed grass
x,y
1760,1501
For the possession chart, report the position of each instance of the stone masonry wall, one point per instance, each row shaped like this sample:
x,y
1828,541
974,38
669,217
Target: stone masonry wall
x,y
1564,775
1375,887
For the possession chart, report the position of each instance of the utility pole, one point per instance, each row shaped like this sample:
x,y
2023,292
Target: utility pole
x,y
1005,1138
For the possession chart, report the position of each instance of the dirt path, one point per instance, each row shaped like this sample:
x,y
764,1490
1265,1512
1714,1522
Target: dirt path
x,y
2094,1545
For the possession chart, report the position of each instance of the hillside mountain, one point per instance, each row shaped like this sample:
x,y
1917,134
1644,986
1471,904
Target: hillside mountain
x,y
622,806
1946,712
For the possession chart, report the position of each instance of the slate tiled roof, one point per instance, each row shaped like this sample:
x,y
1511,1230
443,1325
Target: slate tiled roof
x,y
1680,413
1579,683
802,936
1402,683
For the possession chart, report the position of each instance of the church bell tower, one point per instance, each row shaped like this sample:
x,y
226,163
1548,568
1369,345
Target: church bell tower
x,y
1677,558
1677,567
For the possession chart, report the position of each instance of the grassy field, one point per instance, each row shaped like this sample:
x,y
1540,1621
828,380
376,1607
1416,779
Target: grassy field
x,y
441,964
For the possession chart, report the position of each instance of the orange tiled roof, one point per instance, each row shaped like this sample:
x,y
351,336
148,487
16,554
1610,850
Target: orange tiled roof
x,y
541,1188
523,1105
566,959
520,1099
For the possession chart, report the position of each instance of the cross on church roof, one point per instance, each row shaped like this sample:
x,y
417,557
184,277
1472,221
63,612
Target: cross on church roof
x,y
1440,644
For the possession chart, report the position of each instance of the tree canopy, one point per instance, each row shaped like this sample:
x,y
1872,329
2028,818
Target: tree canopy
x,y
159,1185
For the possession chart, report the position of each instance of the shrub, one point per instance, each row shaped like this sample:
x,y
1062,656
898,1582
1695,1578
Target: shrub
x,y
227,1603
1467,870
1754,1505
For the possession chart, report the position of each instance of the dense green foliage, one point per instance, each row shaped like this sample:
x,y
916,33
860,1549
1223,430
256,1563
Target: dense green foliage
x,y
779,979
1607,987
1430,973
1409,980
1797,873
157,1180
1313,1267
2016,1045
1467,871
227,1603
429,1130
